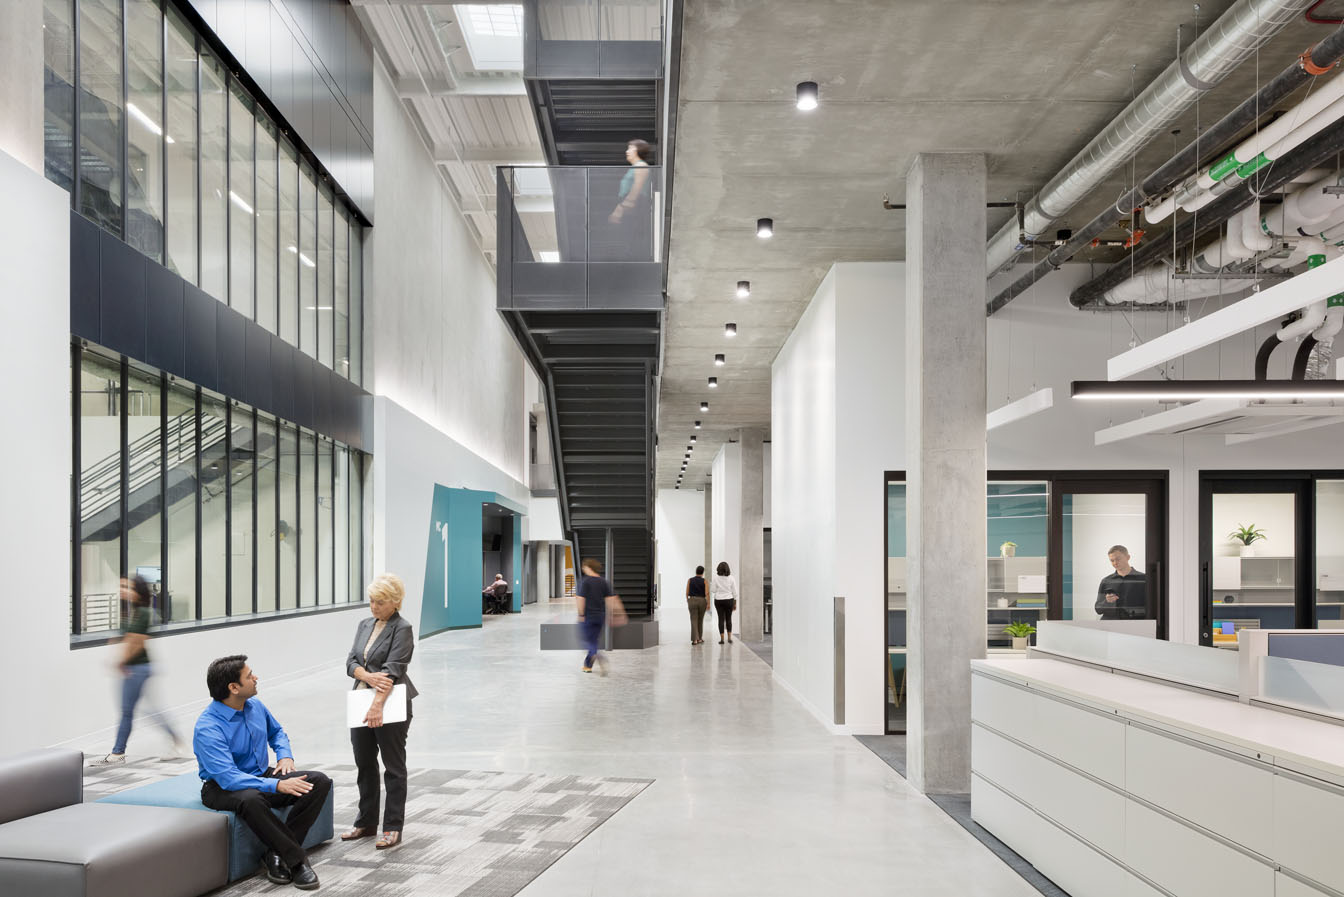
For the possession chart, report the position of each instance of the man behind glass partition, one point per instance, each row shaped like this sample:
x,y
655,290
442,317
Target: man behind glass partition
x,y
1122,595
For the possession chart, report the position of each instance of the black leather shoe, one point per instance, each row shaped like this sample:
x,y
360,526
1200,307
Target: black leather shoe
x,y
276,870
305,879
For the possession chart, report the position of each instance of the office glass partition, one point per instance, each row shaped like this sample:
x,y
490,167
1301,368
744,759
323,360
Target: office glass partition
x,y
242,480
1105,556
356,303
307,519
326,301
288,326
287,528
144,127
180,582
896,604
268,237
341,307
58,40
144,480
213,436
100,493
1329,585
214,174
325,508
100,114
242,199
181,70
268,461
307,260
341,519
1017,541
1255,555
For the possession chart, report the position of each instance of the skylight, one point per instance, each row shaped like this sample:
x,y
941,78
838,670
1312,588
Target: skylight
x,y
493,35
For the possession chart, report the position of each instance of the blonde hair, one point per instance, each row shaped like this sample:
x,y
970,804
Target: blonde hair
x,y
387,587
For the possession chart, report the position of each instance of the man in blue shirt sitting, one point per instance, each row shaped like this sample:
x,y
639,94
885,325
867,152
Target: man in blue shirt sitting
x,y
230,745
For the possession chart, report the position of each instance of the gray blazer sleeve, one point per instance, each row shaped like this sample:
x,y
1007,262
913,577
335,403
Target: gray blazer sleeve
x,y
353,659
390,653
400,648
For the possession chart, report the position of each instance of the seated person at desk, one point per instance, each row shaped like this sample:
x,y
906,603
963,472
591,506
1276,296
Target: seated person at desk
x,y
1122,595
230,744
496,595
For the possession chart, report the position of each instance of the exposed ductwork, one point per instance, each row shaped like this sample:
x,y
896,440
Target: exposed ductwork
x,y
1318,60
1226,44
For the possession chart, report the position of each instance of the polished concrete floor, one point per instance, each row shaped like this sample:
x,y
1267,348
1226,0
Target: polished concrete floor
x,y
752,796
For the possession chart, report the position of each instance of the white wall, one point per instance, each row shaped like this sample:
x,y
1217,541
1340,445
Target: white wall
x,y
1270,512
679,529
438,347
802,485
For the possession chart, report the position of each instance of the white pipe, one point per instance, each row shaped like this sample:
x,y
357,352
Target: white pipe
x,y
1153,284
1334,322
1254,238
1308,206
1313,316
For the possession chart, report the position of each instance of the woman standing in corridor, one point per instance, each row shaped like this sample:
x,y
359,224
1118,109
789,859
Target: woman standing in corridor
x,y
697,602
725,599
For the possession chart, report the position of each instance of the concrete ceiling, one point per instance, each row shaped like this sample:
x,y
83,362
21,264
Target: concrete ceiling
x,y
1028,83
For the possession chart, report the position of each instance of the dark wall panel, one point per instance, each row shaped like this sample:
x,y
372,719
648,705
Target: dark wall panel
x,y
84,267
282,378
230,350
122,298
165,345
199,309
257,389
302,384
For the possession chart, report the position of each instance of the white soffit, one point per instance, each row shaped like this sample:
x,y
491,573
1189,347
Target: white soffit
x,y
1259,308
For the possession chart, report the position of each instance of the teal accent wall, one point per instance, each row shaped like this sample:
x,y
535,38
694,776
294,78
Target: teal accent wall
x,y
1017,513
458,512
895,520
518,576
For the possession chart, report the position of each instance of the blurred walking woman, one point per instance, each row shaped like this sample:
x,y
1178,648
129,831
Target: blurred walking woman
x,y
698,603
724,591
378,660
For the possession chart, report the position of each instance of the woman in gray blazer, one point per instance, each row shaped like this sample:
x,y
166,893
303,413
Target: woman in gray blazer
x,y
378,659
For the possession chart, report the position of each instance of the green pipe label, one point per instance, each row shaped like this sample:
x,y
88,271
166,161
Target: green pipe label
x,y
1335,301
1252,166
1223,167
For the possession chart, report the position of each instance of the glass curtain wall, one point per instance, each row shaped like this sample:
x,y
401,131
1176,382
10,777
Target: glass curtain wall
x,y
209,500
176,158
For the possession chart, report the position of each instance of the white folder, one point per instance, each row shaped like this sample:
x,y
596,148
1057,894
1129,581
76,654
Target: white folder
x,y
358,702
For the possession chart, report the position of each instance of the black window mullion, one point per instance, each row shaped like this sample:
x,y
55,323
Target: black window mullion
x,y
256,497
165,601
123,162
75,191
200,153
124,491
163,169
76,483
196,461
228,205
227,469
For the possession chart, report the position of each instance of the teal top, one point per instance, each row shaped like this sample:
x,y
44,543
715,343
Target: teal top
x,y
628,182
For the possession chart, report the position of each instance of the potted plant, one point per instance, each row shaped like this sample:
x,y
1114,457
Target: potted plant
x,y
1007,549
1019,632
1247,536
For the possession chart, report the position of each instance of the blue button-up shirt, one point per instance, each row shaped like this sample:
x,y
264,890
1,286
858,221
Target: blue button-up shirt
x,y
230,745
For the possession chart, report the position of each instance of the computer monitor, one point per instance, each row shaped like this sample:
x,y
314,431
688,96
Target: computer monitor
x,y
150,575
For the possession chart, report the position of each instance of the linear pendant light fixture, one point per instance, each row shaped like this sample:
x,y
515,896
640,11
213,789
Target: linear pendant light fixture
x,y
1192,390
1026,406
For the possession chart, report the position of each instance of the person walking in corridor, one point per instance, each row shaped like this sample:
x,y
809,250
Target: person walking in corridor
x,y
593,594
698,603
725,599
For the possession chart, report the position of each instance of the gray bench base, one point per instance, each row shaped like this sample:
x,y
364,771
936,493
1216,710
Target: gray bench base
x,y
566,636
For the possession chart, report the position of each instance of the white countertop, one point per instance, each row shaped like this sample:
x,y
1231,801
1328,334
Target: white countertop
x,y
1308,746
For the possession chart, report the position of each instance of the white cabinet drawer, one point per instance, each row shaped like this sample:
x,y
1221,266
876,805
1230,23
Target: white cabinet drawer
x,y
1003,707
1210,789
1187,862
1285,886
1307,830
1089,741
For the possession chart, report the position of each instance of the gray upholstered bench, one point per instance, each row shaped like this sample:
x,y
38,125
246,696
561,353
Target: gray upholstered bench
x,y
244,849
53,844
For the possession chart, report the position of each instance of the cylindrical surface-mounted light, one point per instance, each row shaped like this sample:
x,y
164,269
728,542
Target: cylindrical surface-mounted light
x,y
713,382
743,289
692,437
697,425
704,406
730,330
807,95
720,360
765,228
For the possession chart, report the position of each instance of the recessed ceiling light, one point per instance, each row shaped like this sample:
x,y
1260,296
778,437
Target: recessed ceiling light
x,y
807,95
743,289
730,330
720,360
704,406
697,425
713,382
765,228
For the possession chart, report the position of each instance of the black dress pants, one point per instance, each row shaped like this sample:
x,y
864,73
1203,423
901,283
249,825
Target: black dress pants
x,y
390,741
254,808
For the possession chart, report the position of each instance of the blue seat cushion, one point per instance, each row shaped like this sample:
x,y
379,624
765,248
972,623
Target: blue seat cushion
x,y
245,849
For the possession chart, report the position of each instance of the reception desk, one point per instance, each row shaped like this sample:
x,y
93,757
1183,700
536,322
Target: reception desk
x,y
1119,786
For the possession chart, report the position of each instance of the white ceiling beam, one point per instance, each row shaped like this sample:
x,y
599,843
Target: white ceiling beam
x,y
1026,406
493,155
359,3
507,86
1281,299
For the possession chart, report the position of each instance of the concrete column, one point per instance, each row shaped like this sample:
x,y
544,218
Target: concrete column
x,y
945,461
21,102
751,546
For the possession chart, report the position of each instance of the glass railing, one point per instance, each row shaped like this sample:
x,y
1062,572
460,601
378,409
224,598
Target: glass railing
x,y
576,237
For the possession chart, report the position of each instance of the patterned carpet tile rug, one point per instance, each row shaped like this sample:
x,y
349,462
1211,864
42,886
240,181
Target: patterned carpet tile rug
x,y
468,833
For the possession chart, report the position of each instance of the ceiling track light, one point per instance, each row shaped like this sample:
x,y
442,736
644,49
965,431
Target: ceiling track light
x,y
806,95
713,382
704,406
1192,390
743,289
719,359
765,228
